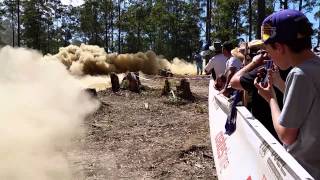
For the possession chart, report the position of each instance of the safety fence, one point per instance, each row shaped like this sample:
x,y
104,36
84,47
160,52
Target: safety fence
x,y
251,152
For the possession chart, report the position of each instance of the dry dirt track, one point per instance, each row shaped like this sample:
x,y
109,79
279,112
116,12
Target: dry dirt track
x,y
146,136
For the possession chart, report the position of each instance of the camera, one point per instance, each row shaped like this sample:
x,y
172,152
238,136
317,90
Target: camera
x,y
263,72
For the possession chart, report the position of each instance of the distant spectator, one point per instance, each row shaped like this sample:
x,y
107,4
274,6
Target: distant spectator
x,y
217,64
199,62
232,65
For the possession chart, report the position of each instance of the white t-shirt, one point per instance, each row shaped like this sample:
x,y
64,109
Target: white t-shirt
x,y
218,63
233,62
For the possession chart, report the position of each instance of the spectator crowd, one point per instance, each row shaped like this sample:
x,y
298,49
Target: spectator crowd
x,y
279,77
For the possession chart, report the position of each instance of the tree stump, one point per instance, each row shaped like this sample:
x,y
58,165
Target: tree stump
x,y
184,91
137,77
166,88
114,82
133,82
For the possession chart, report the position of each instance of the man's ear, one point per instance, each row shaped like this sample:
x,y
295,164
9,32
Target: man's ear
x,y
280,48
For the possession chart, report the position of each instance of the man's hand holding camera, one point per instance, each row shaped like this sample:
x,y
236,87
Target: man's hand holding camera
x,y
265,90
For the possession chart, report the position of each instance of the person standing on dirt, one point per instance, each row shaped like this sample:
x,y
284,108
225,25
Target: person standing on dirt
x,y
199,63
232,66
287,38
217,64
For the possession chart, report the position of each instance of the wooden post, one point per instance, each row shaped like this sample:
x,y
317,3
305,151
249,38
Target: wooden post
x,y
114,82
184,91
166,88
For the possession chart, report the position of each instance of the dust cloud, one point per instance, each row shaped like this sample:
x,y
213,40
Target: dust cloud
x,y
181,67
99,83
42,108
93,60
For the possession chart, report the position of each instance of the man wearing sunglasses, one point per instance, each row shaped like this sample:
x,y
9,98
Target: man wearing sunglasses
x,y
287,38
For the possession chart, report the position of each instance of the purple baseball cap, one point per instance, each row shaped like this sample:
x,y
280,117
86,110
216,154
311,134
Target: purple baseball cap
x,y
283,26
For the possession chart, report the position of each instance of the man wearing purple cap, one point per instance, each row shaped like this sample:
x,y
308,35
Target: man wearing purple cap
x,y
287,37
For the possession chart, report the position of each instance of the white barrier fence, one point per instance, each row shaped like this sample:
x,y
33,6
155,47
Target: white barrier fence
x,y
251,152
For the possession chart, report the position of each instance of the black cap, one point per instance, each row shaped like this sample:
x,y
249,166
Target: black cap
x,y
228,46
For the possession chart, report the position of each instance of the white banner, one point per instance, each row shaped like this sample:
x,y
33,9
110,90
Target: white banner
x,y
251,152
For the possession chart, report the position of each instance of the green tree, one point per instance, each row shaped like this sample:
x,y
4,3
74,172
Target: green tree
x,y
89,22
266,8
37,21
227,23
9,12
317,17
172,28
208,20
107,14
134,25
261,15
2,12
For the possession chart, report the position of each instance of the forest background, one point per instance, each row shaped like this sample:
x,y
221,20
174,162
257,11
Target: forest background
x,y
172,28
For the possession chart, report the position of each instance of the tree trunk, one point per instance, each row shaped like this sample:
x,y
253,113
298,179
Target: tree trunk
x,y
166,88
261,16
236,21
133,82
139,38
12,22
184,91
318,44
106,27
284,4
94,24
18,16
114,82
112,28
300,5
250,20
208,21
37,43
119,24
48,38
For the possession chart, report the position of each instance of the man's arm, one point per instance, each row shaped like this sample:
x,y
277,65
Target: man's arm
x,y
213,73
287,135
235,80
229,74
209,66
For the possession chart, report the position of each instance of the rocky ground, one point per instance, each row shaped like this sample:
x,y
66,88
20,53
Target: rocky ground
x,y
147,136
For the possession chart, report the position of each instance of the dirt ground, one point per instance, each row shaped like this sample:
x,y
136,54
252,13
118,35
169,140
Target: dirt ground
x,y
147,136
